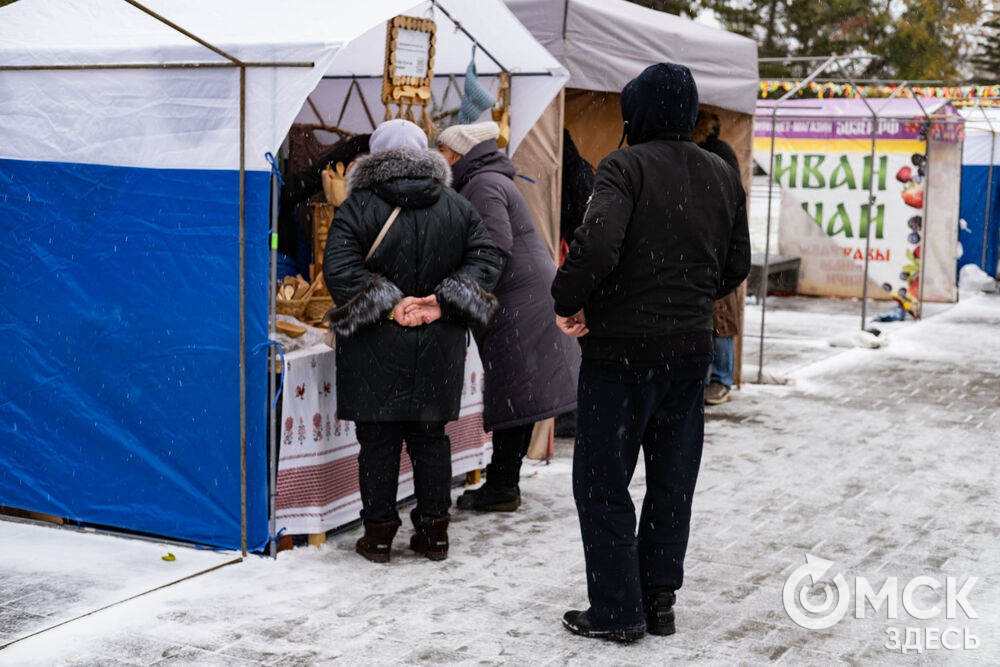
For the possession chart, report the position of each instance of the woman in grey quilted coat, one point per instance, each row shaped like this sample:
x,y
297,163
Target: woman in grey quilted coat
x,y
531,368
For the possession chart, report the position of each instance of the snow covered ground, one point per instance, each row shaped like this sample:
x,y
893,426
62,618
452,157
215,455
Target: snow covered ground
x,y
883,461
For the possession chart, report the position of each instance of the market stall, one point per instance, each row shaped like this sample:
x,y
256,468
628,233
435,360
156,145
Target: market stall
x,y
317,467
860,195
979,231
484,52
606,43
136,189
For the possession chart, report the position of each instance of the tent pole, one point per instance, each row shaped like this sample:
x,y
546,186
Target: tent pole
x,y
871,182
459,26
871,194
762,289
362,77
271,366
112,66
182,31
243,306
989,182
770,189
924,245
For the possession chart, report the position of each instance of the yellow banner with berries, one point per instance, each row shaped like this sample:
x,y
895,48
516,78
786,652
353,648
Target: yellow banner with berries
x,y
857,196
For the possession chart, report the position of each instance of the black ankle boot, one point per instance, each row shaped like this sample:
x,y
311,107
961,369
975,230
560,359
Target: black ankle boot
x,y
431,539
490,499
376,543
659,609
578,623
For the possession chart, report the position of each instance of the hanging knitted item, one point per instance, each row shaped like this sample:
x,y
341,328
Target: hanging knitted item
x,y
477,99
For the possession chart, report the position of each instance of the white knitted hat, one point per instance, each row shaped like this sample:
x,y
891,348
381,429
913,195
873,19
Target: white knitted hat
x,y
397,133
463,138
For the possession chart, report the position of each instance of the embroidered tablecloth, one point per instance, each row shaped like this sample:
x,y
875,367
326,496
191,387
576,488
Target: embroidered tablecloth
x,y
318,464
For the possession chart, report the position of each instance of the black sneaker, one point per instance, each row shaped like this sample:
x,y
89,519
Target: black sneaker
x,y
578,623
659,610
490,499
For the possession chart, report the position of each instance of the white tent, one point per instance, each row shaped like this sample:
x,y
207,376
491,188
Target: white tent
x,y
506,46
135,198
979,234
191,118
605,43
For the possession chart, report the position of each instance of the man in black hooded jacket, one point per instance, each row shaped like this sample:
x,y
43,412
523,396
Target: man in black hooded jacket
x,y
665,235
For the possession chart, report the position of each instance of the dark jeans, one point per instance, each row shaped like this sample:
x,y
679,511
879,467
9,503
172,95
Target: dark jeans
x,y
378,469
509,447
658,406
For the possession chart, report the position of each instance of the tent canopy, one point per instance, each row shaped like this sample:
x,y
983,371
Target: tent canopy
x,y
143,118
191,118
982,130
537,77
605,43
119,192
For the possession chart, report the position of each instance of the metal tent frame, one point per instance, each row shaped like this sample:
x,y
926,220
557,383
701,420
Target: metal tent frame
x,y
826,62
230,62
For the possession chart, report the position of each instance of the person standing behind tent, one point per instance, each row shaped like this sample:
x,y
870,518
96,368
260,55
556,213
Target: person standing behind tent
x,y
531,368
725,312
403,379
665,235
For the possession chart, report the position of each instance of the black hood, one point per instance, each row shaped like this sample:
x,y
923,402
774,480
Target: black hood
x,y
660,103
483,157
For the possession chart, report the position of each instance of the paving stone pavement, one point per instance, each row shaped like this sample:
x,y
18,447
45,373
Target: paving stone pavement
x,y
888,467
882,461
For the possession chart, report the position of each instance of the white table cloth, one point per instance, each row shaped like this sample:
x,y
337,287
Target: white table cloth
x,y
317,464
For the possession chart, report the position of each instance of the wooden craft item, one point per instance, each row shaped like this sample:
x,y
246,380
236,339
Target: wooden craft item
x,y
322,216
335,184
405,92
290,329
501,112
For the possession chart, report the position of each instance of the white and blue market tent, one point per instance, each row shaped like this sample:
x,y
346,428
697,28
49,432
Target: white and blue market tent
x,y
980,207
135,209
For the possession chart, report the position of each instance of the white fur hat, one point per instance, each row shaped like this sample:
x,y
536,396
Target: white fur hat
x,y
397,133
463,138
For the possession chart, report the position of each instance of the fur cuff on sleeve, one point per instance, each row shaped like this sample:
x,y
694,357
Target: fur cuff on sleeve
x,y
465,299
371,304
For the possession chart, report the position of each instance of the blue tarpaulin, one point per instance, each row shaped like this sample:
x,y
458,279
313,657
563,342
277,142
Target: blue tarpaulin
x,y
119,392
974,212
980,209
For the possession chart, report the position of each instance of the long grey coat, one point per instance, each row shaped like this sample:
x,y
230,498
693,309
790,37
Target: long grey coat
x,y
531,366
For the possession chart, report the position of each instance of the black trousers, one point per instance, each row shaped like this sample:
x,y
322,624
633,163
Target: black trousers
x,y
509,447
378,469
658,407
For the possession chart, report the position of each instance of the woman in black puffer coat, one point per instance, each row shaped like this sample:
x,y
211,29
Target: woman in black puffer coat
x,y
531,367
399,375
